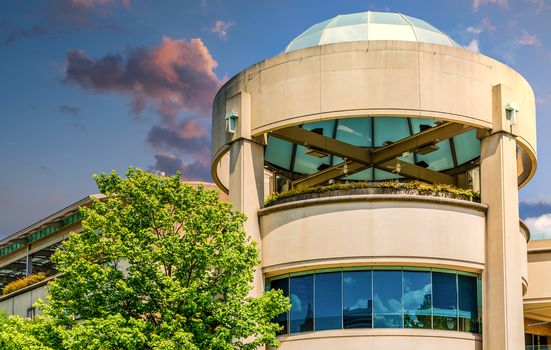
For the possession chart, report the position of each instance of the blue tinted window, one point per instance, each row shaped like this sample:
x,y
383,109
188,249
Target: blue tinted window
x,y
390,129
444,298
278,152
468,306
283,285
328,301
357,300
355,131
417,299
302,304
387,299
467,146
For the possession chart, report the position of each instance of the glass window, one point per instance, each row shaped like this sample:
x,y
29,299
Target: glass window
x,y
468,306
390,129
302,306
357,299
444,299
283,285
417,299
355,131
278,152
467,146
328,299
438,160
387,299
307,164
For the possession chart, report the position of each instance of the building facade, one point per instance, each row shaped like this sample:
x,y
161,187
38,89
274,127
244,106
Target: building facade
x,y
367,98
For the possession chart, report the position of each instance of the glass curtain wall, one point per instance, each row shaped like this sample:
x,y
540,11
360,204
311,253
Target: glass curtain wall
x,y
392,297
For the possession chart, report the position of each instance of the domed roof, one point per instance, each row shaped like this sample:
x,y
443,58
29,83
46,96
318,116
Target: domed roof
x,y
370,26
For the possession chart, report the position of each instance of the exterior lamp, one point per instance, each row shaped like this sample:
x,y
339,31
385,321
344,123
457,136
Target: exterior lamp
x,y
231,121
511,112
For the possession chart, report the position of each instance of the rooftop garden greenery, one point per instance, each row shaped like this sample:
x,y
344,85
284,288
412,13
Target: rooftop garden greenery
x,y
412,187
23,282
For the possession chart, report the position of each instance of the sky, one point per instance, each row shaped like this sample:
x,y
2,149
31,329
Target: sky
x,y
91,86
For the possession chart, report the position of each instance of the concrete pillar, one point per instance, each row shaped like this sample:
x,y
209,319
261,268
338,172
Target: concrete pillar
x,y
29,262
503,320
246,181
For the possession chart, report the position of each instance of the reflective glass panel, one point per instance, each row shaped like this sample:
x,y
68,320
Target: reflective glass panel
x,y
308,164
278,152
421,123
364,175
347,20
283,285
444,298
468,307
305,40
429,36
386,18
390,129
302,304
357,300
467,146
387,299
417,299
328,298
421,24
381,175
441,159
355,131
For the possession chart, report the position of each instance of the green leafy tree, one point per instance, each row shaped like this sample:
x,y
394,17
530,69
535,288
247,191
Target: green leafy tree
x,y
159,265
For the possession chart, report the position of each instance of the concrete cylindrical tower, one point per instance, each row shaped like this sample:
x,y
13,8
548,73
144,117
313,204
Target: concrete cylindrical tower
x,y
370,97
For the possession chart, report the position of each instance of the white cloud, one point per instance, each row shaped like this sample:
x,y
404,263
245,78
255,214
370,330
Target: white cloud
x,y
221,29
540,227
474,30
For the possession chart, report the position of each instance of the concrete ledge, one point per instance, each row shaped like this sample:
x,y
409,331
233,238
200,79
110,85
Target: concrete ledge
x,y
373,198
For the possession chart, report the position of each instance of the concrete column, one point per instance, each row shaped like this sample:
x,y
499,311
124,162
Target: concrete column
x,y
503,320
246,180
29,262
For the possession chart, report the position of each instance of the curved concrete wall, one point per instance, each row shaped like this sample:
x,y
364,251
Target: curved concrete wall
x,y
374,78
369,229
396,339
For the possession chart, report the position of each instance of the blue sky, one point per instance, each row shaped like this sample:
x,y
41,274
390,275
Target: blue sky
x,y
91,86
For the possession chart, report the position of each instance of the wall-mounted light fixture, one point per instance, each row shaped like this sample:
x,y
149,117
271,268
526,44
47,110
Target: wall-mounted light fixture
x,y
511,111
231,121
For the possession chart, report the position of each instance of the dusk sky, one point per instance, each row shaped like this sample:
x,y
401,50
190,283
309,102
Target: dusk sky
x,y
90,86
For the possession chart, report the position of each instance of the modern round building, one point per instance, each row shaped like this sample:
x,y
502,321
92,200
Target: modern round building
x,y
366,98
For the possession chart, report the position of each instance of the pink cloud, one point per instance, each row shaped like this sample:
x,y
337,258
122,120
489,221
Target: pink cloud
x,y
478,3
221,28
177,75
188,138
528,40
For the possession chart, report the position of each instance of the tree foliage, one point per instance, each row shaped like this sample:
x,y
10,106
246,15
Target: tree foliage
x,y
159,265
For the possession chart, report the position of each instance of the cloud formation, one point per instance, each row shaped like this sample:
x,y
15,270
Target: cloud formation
x,y
221,28
188,139
540,226
528,40
176,75
177,79
478,3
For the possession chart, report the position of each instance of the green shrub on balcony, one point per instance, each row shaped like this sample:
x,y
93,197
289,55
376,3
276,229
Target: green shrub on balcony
x,y
412,187
23,282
